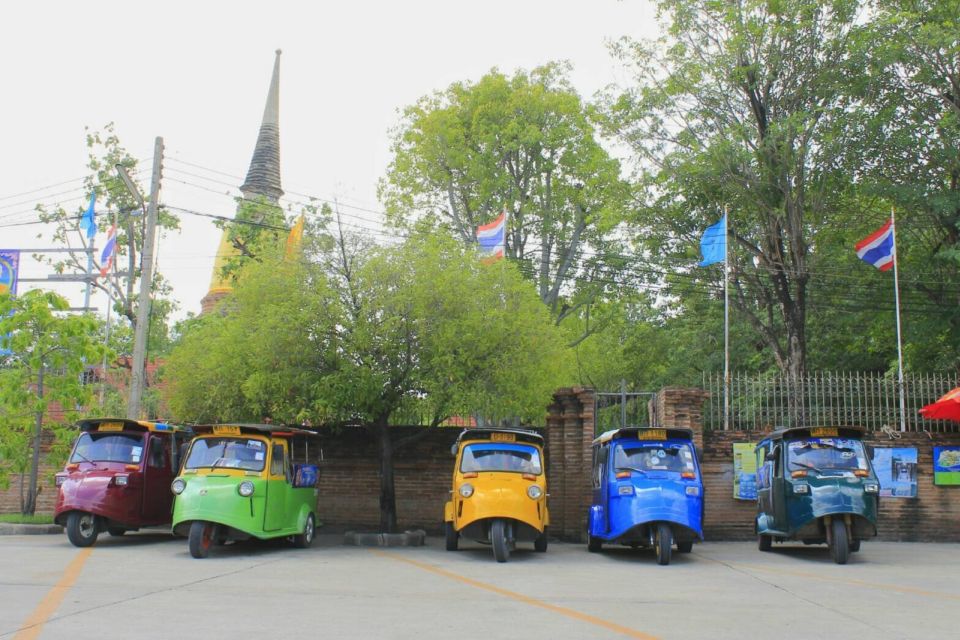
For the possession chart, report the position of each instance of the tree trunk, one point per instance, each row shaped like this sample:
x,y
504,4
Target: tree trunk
x,y
30,505
388,498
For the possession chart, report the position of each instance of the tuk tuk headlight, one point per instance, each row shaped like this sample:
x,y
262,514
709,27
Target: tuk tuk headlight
x,y
801,488
534,492
693,491
121,481
245,488
871,487
178,485
466,490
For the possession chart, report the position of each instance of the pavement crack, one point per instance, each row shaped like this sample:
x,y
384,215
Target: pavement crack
x,y
793,594
145,595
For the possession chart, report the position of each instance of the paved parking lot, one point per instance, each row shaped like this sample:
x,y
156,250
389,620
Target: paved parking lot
x,y
147,586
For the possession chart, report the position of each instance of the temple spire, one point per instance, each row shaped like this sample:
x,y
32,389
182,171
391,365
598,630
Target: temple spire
x,y
263,177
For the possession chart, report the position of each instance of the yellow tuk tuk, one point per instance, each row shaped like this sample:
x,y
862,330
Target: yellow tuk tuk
x,y
499,494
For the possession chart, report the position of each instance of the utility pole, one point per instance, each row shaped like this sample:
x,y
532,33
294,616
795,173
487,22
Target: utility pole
x,y
137,379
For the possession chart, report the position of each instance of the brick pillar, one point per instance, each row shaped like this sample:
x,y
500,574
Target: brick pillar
x,y
681,407
570,425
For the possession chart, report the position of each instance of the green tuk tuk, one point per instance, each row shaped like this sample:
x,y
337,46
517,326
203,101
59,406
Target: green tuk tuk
x,y
239,481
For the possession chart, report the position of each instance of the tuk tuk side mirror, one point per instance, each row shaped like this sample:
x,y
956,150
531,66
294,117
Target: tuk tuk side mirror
x,y
453,449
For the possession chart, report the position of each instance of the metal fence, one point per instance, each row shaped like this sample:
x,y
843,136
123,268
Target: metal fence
x,y
615,410
868,400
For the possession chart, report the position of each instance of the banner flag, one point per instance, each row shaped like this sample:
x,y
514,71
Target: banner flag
x,y
713,244
9,270
491,237
877,248
109,249
88,222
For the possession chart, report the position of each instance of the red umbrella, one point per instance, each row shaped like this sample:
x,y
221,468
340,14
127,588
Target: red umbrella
x,y
946,408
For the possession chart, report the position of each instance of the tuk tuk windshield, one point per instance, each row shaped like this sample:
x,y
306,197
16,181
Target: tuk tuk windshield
x,y
229,453
655,456
518,458
820,454
108,447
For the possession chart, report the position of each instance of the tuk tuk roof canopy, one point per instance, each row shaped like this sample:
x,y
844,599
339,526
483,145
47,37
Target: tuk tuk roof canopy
x,y
124,424
815,432
278,430
645,433
521,435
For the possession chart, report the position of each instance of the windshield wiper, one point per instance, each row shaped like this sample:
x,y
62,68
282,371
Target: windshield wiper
x,y
643,471
804,464
80,455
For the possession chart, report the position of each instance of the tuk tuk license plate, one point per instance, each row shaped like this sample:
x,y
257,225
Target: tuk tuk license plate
x,y
503,437
110,426
823,432
226,430
652,434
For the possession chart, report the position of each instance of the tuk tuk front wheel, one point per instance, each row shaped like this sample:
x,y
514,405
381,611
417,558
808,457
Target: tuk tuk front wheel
x,y
764,543
839,543
305,539
663,543
202,535
82,528
594,545
451,535
540,543
498,538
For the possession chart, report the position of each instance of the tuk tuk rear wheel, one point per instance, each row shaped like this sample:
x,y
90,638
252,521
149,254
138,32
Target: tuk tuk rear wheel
x,y
451,535
663,543
498,538
305,539
839,543
685,547
202,535
764,543
82,528
540,543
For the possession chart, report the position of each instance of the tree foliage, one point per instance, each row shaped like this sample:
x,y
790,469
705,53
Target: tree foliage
x,y
42,379
362,335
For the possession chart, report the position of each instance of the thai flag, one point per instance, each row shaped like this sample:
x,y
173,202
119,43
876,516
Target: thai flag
x,y
877,248
106,256
491,236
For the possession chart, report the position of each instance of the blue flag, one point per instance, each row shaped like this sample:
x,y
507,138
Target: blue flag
x,y
87,223
713,244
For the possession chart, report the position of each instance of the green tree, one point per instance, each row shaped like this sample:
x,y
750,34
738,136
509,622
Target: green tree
x,y
523,144
742,104
366,335
42,379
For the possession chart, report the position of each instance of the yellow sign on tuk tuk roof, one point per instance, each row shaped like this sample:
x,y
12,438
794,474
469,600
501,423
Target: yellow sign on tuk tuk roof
x,y
823,432
652,434
503,437
226,430
110,426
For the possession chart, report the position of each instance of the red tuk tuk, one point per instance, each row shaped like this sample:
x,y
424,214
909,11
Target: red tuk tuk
x,y
117,478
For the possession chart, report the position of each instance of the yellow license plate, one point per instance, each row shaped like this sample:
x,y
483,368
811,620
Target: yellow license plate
x,y
110,426
226,430
503,437
652,434
823,432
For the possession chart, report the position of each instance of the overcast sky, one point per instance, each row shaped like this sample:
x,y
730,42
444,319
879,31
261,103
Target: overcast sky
x,y
197,73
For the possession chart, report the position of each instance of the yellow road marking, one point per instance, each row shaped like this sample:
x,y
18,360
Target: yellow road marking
x,y
34,624
519,597
854,582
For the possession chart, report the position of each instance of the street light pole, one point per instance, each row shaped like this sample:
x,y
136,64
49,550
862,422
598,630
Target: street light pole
x,y
137,382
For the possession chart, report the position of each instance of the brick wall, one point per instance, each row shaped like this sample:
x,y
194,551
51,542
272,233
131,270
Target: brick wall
x,y
47,498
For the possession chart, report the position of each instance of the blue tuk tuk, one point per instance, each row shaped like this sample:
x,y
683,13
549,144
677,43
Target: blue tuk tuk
x,y
816,485
647,491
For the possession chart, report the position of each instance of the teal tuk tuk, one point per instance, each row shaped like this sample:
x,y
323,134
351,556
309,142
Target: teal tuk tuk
x,y
816,485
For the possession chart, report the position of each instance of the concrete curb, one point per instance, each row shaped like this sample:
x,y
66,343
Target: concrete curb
x,y
11,529
414,538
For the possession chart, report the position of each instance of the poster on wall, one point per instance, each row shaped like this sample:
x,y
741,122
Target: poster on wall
x,y
896,468
744,471
946,465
